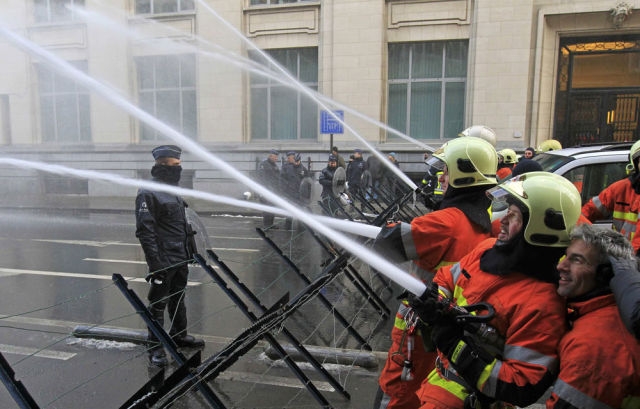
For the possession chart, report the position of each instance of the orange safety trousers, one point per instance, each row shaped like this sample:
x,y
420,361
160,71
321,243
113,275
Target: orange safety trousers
x,y
402,393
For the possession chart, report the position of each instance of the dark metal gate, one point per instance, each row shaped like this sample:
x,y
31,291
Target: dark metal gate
x,y
598,90
602,117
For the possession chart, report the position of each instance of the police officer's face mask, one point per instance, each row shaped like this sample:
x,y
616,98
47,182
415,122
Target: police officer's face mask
x,y
167,174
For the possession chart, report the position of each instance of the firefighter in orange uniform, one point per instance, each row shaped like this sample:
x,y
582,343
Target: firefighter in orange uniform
x,y
507,160
620,200
516,275
599,358
438,238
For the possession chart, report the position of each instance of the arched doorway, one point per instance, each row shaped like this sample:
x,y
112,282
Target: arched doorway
x,y
598,90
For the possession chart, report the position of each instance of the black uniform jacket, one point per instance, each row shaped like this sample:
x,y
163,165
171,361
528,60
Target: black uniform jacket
x,y
161,227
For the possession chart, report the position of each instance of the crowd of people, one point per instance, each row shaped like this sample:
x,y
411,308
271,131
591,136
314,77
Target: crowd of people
x,y
361,181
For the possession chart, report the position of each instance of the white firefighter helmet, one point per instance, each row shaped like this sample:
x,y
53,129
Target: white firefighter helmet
x,y
481,131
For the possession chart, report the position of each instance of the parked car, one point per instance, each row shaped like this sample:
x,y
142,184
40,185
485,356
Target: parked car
x,y
591,168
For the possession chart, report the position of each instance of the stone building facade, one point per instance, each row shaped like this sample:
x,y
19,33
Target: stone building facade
x,y
406,74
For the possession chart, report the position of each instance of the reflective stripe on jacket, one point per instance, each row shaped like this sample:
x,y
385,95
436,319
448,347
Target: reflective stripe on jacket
x,y
599,359
528,314
620,202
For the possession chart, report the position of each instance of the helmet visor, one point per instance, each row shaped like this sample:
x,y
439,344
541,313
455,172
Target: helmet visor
x,y
513,187
434,165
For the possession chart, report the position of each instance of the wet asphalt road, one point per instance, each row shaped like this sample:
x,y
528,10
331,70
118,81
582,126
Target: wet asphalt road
x,y
55,274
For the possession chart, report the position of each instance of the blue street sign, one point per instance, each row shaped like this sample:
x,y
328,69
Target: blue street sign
x,y
329,124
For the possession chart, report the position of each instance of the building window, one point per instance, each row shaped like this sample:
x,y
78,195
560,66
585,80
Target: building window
x,y
163,6
64,106
167,90
49,11
427,85
279,112
272,2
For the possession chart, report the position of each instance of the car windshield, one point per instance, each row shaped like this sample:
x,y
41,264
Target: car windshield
x,y
551,162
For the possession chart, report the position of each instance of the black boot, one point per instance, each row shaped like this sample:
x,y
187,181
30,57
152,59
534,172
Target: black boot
x,y
158,357
188,341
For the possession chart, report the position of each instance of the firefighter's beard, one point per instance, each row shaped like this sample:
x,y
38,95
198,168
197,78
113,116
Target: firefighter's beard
x,y
167,174
518,255
507,246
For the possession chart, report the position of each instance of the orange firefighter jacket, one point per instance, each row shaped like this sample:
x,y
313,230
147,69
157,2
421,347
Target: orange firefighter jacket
x,y
435,239
620,202
599,359
440,238
503,173
529,316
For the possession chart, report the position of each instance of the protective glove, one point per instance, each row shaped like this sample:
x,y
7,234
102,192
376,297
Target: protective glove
x,y
446,336
433,201
467,358
389,243
428,308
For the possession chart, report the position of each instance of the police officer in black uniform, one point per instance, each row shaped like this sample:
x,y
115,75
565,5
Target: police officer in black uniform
x,y
291,175
355,169
293,171
326,178
164,234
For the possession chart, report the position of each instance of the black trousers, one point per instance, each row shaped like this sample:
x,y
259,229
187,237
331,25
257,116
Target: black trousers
x,y
170,293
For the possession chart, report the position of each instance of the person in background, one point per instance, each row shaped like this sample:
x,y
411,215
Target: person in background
x,y
625,285
513,359
438,238
620,201
529,153
389,179
269,177
524,166
339,158
355,169
163,231
325,179
599,359
293,171
431,188
393,159
549,145
506,161
376,170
